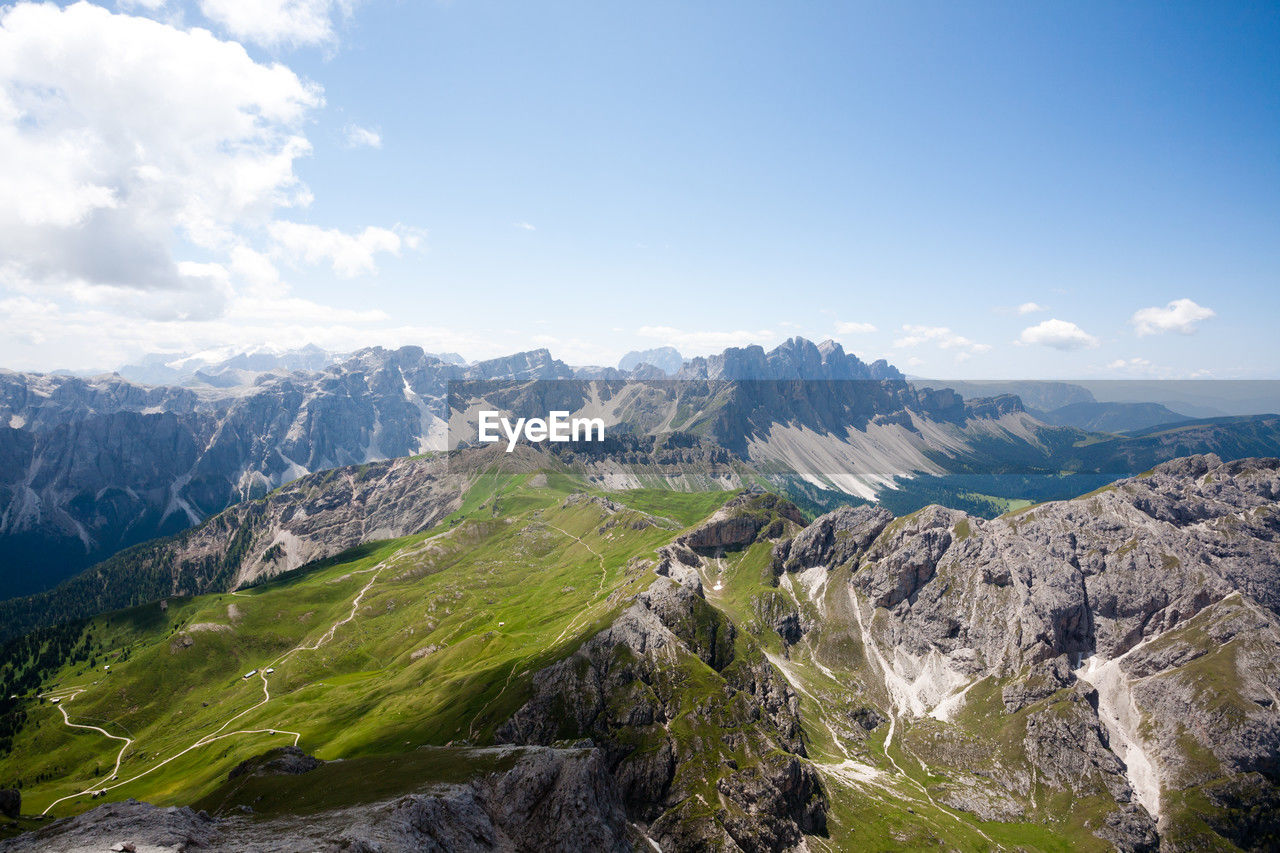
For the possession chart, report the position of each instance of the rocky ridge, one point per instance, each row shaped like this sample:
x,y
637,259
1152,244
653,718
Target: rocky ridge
x,y
92,466
311,518
551,799
1132,634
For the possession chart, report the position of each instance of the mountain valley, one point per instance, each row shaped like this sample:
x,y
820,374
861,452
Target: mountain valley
x,y
690,670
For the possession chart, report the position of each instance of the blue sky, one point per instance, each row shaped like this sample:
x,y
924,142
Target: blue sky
x,y
968,190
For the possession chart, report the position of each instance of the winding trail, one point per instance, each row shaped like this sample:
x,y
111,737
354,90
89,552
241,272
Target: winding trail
x,y
573,623
64,698
600,590
67,694
603,571
471,729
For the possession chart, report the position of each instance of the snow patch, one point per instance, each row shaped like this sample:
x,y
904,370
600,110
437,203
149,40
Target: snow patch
x,y
855,772
920,686
1118,711
814,583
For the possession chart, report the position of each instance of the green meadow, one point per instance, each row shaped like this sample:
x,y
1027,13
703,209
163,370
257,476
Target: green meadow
x,y
449,627
402,658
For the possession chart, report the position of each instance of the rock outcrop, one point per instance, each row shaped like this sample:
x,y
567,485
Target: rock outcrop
x,y
140,825
832,539
282,761
626,689
550,799
1133,633
741,521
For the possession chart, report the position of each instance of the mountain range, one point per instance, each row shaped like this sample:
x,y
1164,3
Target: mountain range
x,y
94,465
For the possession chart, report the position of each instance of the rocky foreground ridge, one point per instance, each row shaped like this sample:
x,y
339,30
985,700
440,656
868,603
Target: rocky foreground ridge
x,y
1123,646
547,799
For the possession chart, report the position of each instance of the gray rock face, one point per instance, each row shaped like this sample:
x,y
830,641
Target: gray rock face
x,y
1134,630
555,800
740,521
131,822
223,371
796,358
832,539
91,466
666,359
1068,746
1094,575
618,689
283,761
95,465
1131,830
311,518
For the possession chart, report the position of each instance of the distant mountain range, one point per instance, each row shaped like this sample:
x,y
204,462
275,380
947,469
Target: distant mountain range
x,y
91,465
229,368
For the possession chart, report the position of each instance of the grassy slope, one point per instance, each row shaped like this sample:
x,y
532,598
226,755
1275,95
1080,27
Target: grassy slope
x,y
442,647
495,596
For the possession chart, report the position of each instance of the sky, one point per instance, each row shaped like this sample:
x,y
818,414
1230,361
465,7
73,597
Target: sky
x,y
979,190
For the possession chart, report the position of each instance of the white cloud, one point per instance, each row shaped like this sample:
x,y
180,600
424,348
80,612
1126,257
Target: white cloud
x,y
1180,315
273,23
355,136
525,226
254,268
27,320
1129,364
143,167
854,328
83,335
349,254
1058,334
123,135
1020,310
1143,367
943,338
703,342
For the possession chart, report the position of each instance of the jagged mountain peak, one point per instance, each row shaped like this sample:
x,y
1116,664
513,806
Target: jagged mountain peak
x,y
666,359
794,358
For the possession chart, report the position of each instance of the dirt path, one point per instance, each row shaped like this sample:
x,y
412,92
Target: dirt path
x,y
603,571
471,729
62,706
220,733
573,623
